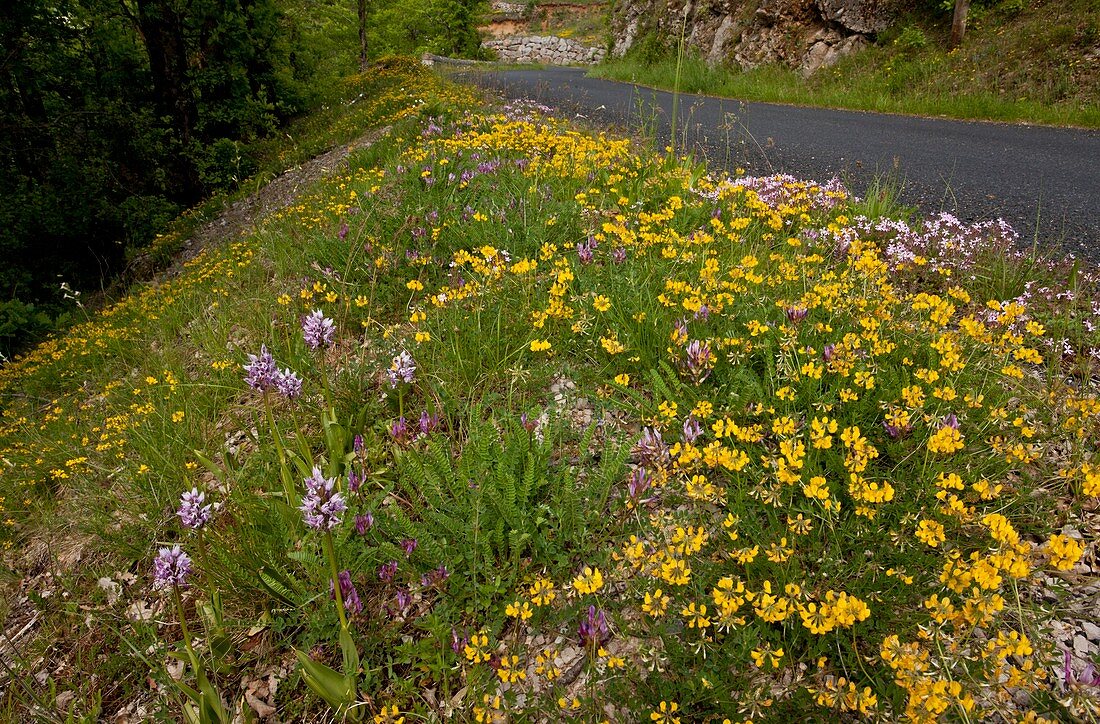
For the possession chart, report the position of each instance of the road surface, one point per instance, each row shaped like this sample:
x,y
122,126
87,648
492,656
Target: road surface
x,y
1044,181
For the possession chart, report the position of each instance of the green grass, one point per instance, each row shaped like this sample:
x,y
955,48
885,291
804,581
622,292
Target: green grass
x,y
1027,65
565,297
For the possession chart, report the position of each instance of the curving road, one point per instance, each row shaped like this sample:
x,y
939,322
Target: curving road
x,y
1045,181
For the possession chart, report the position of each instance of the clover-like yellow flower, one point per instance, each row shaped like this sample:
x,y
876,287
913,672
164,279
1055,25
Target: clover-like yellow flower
x,y
945,441
930,533
519,609
665,713
477,650
1064,552
589,581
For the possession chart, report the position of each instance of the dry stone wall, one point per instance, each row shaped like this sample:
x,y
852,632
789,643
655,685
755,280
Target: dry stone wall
x,y
543,49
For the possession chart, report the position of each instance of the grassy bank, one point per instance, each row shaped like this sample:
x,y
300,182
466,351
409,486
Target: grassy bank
x,y
581,431
1030,64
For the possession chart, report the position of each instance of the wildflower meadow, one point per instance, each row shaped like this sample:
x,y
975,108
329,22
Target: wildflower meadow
x,y
513,420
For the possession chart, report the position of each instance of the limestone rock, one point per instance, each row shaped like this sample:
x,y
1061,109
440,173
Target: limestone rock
x,y
859,16
827,47
802,34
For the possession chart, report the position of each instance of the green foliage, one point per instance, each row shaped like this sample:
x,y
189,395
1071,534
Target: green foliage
x,y
222,165
112,123
19,321
652,47
504,503
911,38
444,27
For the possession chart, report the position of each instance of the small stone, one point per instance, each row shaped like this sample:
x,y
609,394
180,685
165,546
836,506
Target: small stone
x,y
63,700
1081,645
1092,631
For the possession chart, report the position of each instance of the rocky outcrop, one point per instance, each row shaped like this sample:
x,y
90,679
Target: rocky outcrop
x,y
859,16
508,10
804,34
543,49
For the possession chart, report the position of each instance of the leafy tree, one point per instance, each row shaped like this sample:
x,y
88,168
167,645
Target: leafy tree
x,y
114,115
117,114
446,27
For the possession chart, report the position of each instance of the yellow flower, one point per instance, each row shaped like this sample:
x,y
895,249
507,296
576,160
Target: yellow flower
x,y
846,609
510,671
622,380
702,410
696,617
544,664
589,581
490,711
542,591
818,488
517,609
946,440
389,715
767,655
524,265
819,620
178,416
656,604
612,345
601,303
941,609
478,649
930,533
665,713
540,345
1064,552
799,525
1091,484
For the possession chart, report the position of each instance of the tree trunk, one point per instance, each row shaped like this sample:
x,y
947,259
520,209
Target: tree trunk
x,y
362,35
162,34
958,23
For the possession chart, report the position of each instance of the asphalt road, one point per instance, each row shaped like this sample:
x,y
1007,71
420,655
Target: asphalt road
x,y
1044,181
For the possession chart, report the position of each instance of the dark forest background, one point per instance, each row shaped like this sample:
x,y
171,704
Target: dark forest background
x,y
116,115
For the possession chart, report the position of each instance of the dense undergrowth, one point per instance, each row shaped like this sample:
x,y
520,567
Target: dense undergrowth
x,y
582,431
1022,62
